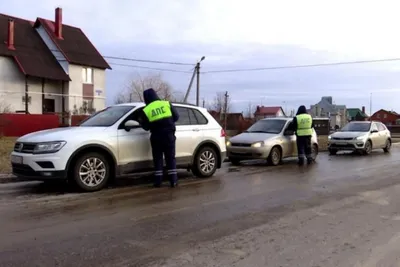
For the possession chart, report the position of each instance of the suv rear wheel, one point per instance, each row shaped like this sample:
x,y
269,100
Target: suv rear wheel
x,y
91,171
205,162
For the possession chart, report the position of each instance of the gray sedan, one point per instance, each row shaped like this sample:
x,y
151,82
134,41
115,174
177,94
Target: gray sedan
x,y
268,139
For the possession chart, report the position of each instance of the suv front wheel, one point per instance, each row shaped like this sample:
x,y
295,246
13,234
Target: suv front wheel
x,y
205,162
91,171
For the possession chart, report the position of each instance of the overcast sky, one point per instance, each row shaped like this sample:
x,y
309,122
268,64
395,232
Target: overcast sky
x,y
237,34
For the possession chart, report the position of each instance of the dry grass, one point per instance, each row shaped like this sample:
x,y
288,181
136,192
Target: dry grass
x,y
323,142
6,147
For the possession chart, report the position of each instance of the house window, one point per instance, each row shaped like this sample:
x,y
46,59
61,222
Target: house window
x,y
378,116
384,116
87,75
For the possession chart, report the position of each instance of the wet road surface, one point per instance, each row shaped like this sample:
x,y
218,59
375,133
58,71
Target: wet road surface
x,y
342,211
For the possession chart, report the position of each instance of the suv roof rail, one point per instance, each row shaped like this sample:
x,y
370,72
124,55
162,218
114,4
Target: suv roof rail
x,y
183,103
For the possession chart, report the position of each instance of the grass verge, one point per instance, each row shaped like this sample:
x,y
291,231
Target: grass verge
x,y
6,147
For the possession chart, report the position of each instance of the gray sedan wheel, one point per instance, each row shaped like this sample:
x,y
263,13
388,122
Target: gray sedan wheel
x,y
275,156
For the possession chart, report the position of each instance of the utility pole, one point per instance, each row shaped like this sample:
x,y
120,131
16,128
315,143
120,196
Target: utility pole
x,y
196,72
370,107
225,109
204,103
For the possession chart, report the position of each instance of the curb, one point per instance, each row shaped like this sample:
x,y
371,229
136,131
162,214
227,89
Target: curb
x,y
9,178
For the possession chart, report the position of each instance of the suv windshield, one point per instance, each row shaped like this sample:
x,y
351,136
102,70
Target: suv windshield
x,y
267,126
356,127
106,117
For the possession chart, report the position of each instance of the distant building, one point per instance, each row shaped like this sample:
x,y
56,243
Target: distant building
x,y
356,114
337,114
386,117
268,112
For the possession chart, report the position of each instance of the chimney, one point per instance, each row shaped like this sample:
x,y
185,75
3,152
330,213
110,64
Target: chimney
x,y
58,23
363,109
10,36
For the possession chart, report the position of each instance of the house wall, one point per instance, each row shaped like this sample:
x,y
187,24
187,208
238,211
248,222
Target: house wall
x,y
385,117
75,88
12,89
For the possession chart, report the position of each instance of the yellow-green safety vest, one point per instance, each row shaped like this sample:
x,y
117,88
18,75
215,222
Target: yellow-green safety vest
x,y
158,110
304,125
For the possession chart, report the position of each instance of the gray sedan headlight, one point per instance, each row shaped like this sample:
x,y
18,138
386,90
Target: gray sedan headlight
x,y
258,144
49,147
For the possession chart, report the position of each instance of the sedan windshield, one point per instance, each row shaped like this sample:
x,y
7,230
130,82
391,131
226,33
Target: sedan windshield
x,y
267,126
106,117
356,127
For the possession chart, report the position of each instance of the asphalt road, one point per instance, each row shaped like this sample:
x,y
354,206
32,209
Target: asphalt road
x,y
342,211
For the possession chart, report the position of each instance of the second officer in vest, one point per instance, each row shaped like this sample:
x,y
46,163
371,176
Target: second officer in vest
x,y
303,125
160,117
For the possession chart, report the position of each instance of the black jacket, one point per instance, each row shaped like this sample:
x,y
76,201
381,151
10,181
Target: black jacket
x,y
160,126
301,110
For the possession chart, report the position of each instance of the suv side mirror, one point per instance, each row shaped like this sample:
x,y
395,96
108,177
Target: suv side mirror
x,y
288,132
374,131
130,125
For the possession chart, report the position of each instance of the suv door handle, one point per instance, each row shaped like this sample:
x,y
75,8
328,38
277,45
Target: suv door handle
x,y
195,130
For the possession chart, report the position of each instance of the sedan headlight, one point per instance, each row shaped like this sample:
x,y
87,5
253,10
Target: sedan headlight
x,y
228,143
362,137
49,147
258,144
329,137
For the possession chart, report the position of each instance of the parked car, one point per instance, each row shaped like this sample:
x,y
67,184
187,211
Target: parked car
x,y
111,143
267,139
360,136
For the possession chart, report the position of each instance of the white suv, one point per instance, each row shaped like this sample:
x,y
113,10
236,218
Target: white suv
x,y
111,143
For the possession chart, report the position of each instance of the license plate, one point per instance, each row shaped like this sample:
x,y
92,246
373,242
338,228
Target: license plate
x,y
16,159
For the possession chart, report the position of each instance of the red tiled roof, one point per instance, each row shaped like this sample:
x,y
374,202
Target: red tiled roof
x,y
34,58
75,46
31,54
267,110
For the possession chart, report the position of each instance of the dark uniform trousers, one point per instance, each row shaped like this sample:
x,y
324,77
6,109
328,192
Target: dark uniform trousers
x,y
304,147
163,144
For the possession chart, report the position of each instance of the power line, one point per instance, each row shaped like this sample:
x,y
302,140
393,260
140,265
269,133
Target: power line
x,y
149,61
303,66
149,68
110,57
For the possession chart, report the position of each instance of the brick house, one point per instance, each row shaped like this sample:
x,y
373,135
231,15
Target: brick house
x,y
268,112
356,114
49,67
386,117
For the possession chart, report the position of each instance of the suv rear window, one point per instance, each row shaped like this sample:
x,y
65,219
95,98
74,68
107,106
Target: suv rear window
x,y
188,116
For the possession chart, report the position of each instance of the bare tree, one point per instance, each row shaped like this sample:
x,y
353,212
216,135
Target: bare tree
x,y
249,110
218,103
133,91
4,107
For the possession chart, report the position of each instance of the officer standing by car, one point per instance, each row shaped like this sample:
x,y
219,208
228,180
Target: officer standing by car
x,y
303,126
160,117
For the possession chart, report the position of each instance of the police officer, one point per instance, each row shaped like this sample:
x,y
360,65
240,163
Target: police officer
x,y
303,125
160,117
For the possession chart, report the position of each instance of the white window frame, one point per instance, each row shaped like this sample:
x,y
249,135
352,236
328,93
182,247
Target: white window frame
x,y
87,75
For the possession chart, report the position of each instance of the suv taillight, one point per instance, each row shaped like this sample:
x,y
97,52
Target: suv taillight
x,y
223,134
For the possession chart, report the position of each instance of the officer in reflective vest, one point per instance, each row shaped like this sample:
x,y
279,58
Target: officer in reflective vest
x,y
160,117
303,125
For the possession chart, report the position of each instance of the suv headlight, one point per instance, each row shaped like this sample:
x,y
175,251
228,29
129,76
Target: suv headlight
x,y
362,137
329,137
49,147
258,144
